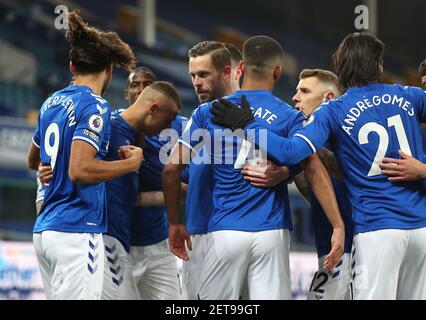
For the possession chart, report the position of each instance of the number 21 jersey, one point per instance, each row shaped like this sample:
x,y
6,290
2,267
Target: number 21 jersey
x,y
365,125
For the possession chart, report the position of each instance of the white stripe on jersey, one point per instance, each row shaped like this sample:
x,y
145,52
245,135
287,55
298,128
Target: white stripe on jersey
x,y
307,140
87,140
35,143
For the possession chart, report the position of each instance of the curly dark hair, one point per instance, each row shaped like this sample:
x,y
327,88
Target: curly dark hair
x,y
93,50
359,59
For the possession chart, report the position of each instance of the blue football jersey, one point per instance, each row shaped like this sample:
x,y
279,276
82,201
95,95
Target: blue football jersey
x,y
237,204
122,192
73,113
199,197
363,126
149,224
323,228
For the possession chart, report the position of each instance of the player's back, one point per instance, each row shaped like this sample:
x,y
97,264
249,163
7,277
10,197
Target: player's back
x,y
237,204
74,113
373,122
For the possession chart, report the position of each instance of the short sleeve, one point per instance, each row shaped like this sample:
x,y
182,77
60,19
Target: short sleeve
x,y
93,125
318,128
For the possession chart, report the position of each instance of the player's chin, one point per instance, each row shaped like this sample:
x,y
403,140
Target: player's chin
x,y
204,97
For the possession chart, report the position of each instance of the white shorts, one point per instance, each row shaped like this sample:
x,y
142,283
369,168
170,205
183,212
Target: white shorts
x,y
118,275
71,264
242,264
191,269
332,284
155,272
390,264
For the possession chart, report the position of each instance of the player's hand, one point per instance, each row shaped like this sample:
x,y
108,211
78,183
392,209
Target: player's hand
x,y
265,174
178,237
131,152
337,248
45,174
407,168
229,115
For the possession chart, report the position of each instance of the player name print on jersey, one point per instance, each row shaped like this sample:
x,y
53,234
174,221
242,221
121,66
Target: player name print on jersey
x,y
366,103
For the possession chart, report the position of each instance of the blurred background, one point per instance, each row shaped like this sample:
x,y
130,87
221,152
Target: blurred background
x,y
34,64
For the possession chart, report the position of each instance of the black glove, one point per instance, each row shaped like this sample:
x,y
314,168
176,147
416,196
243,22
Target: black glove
x,y
229,115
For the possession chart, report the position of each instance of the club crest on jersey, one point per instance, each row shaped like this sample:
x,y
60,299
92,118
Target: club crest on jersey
x,y
96,123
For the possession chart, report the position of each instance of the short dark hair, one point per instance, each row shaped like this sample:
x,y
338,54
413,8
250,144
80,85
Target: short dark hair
x,y
359,59
168,90
422,68
220,55
324,76
260,55
143,70
93,50
236,55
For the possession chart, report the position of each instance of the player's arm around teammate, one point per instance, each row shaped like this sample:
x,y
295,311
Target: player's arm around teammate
x,y
265,175
407,168
315,173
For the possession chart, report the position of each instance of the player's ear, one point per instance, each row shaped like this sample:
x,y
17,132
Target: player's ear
x,y
241,67
153,108
277,72
227,71
328,96
72,68
109,68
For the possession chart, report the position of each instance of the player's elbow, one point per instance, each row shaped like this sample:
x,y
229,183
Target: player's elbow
x,y
32,163
77,174
33,159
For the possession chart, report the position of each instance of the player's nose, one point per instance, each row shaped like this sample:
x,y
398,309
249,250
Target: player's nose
x,y
296,98
197,82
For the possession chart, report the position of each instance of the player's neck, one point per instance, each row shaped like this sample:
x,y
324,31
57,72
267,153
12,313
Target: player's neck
x,y
94,82
251,84
134,118
235,87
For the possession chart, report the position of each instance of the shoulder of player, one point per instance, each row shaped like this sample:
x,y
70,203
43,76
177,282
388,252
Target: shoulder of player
x,y
202,109
116,112
332,104
179,119
179,123
88,98
91,103
284,109
408,91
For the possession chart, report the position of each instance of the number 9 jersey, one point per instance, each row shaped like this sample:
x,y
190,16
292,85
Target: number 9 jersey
x,y
363,126
73,113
